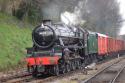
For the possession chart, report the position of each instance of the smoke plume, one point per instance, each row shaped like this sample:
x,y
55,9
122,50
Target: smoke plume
x,y
96,15
67,11
76,17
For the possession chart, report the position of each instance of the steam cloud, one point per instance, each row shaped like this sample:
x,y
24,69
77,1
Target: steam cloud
x,y
74,18
98,15
67,11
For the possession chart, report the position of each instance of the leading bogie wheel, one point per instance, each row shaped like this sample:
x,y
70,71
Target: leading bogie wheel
x,y
34,72
56,70
73,65
63,68
67,67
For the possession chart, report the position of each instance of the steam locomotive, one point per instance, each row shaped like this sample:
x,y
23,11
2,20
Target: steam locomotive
x,y
59,48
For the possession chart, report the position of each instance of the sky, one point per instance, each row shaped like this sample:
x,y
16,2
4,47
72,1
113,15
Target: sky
x,y
122,12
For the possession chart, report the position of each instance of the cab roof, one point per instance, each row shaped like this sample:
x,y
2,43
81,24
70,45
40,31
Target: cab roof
x,y
103,35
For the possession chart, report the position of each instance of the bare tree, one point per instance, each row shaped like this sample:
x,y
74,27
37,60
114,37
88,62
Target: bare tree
x,y
100,15
104,14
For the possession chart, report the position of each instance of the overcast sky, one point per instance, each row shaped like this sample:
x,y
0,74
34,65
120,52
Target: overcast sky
x,y
122,12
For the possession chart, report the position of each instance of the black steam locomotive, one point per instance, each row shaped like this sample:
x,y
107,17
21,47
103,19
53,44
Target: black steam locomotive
x,y
57,48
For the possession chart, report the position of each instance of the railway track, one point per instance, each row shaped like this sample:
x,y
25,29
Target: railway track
x,y
17,77
40,79
27,78
108,74
119,72
121,77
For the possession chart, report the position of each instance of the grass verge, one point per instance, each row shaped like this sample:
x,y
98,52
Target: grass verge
x,y
15,36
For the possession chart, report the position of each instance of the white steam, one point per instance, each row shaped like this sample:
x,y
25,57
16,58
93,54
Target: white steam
x,y
122,12
69,18
74,18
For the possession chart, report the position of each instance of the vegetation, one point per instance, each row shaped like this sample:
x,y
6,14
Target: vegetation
x,y
13,41
99,15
